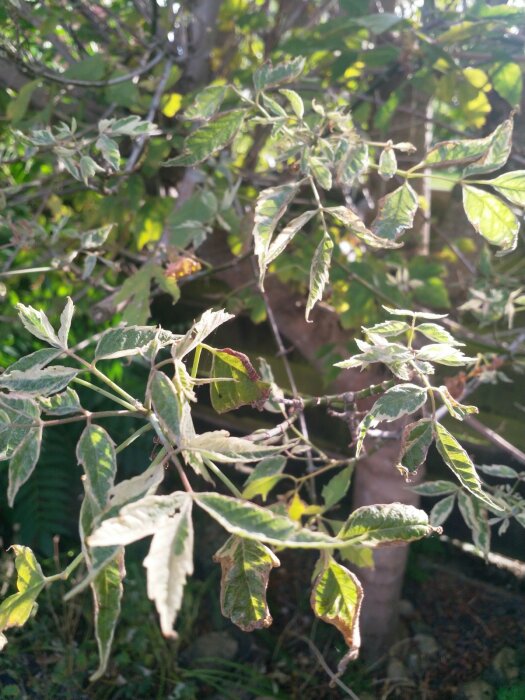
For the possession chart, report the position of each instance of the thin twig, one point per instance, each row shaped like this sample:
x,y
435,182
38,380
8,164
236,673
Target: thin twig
x,y
326,667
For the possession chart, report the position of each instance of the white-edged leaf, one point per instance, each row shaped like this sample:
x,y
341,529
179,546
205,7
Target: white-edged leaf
x,y
269,75
282,240
36,360
336,598
357,227
435,488
497,153
502,471
18,416
207,102
441,510
23,462
443,354
415,443
61,404
437,333
321,172
131,340
37,323
457,410
511,186
398,401
270,207
491,218
417,314
295,101
390,523
395,213
245,566
387,163
65,322
201,329
41,382
220,446
96,454
319,272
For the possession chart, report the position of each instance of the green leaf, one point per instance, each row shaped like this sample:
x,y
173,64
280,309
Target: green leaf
x,y
337,487
461,465
38,381
388,329
220,446
387,163
17,107
209,138
434,332
398,401
135,294
207,102
443,354
493,219
336,598
416,440
295,101
357,227
319,272
273,106
507,81
61,404
502,471
107,594
395,213
109,150
37,323
282,240
511,186
379,23
96,454
321,172
465,151
268,75
385,524
435,488
208,322
168,406
441,510
270,207
476,519
169,563
246,387
497,153
358,555
264,477
23,462
260,524
131,340
246,567
16,609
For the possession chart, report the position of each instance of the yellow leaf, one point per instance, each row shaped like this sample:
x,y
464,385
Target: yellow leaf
x,y
172,105
296,508
151,232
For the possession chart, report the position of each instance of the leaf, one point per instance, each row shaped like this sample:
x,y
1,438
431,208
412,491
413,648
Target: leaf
x,y
207,102
209,138
17,107
511,186
321,172
336,598
465,151
507,81
414,314
135,294
357,227
395,213
131,340
337,487
264,477
416,440
435,488
88,168
434,332
246,387
137,520
169,563
441,510
252,522
398,401
456,409
61,404
295,101
107,594
443,354
378,525
168,406
96,454
18,416
502,471
352,163
388,329
38,381
65,322
246,567
109,150
272,106
219,446
16,609
319,272
270,206
36,360
37,323
476,519
95,237
23,462
285,237
493,219
497,153
208,322
268,75
461,465
360,556
387,163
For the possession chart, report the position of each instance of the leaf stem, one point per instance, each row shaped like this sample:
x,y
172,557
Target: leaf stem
x,y
220,475
133,437
103,392
63,575
87,415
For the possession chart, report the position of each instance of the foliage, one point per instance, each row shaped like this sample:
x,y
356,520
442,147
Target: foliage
x,y
273,137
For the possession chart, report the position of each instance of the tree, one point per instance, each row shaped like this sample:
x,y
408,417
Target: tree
x,y
254,147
